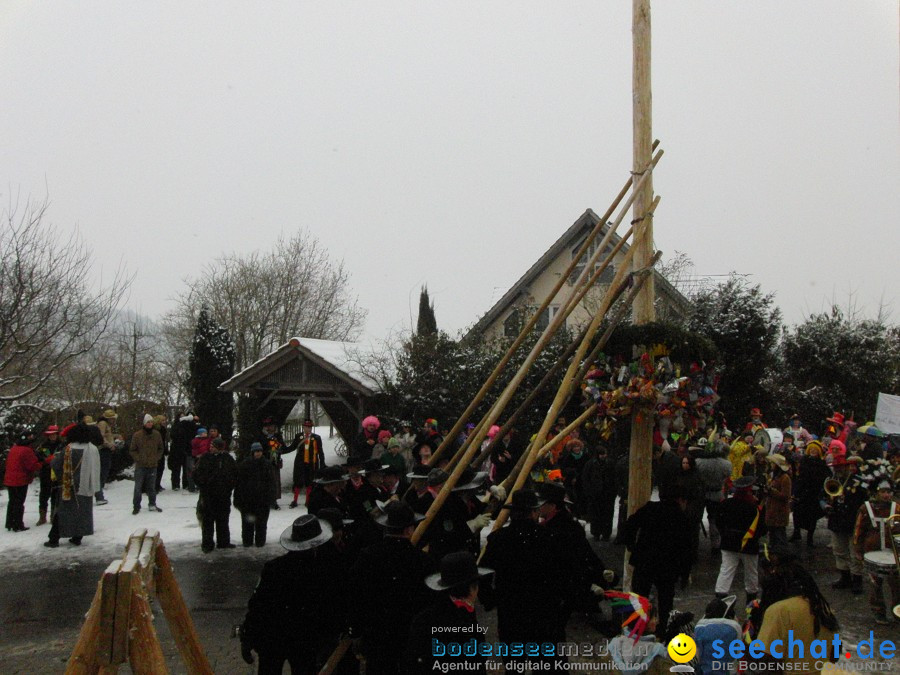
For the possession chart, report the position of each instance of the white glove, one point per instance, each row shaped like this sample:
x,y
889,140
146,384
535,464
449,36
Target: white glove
x,y
609,576
499,492
597,590
479,522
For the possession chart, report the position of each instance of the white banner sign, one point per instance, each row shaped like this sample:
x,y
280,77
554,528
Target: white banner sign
x,y
887,414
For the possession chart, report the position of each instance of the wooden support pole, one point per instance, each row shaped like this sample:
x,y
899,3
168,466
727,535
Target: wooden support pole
x,y
83,659
145,654
108,592
177,615
529,399
568,381
641,448
558,320
475,439
640,278
336,657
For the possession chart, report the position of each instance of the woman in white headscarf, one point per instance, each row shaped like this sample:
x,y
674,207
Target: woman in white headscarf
x,y
76,471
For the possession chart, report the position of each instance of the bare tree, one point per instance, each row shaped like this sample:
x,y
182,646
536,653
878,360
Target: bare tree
x,y
49,311
264,298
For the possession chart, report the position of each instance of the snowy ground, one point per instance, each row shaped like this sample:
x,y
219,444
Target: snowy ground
x,y
113,523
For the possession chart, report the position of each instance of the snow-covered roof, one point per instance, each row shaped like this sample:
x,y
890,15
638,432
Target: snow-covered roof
x,y
342,358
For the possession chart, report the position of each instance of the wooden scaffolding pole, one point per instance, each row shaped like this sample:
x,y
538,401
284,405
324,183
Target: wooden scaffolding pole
x,y
559,318
641,458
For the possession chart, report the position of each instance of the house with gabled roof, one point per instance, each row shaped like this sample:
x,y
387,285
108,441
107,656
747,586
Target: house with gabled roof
x,y
506,316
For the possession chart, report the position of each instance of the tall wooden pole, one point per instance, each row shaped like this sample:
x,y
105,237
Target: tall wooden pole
x,y
640,463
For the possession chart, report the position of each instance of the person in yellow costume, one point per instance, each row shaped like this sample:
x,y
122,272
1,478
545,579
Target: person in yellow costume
x,y
740,452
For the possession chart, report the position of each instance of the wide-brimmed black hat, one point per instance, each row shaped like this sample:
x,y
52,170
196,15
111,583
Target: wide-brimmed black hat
x,y
331,474
333,517
373,466
437,477
524,500
553,492
456,569
355,460
419,471
305,533
398,516
470,480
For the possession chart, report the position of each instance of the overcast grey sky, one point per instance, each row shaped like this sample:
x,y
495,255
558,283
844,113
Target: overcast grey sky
x,y
450,143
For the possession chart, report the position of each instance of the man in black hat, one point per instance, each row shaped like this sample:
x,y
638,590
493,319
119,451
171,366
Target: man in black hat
x,y
580,569
457,523
216,476
299,608
362,498
658,537
523,589
453,617
328,491
394,484
274,446
310,458
389,590
252,495
418,497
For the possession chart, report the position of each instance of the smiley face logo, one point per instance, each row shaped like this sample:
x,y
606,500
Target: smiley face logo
x,y
682,648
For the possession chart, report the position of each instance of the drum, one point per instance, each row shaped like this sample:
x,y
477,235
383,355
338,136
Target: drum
x,y
880,563
768,438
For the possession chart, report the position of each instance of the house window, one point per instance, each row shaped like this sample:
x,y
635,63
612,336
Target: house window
x,y
546,317
608,273
512,325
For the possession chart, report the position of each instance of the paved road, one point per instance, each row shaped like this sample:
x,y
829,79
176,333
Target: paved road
x,y
41,610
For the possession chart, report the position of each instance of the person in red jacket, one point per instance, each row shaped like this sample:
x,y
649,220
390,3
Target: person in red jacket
x,y
22,465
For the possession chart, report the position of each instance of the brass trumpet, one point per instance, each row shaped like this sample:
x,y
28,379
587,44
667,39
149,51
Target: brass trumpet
x,y
834,488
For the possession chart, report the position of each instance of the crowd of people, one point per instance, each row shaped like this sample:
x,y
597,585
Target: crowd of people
x,y
353,552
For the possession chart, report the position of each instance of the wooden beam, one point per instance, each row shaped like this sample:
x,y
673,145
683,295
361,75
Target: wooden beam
x,y
641,449
106,631
177,615
83,659
145,654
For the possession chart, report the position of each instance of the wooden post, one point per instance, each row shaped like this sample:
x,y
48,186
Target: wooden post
x,y
84,656
144,651
554,324
568,381
640,462
180,624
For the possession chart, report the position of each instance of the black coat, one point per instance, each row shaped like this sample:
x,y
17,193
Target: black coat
x,y
183,432
320,499
363,444
449,531
525,586
658,536
388,582
842,514
253,489
503,465
734,520
811,477
666,470
274,447
301,601
579,566
418,659
216,475
361,499
598,480
315,455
